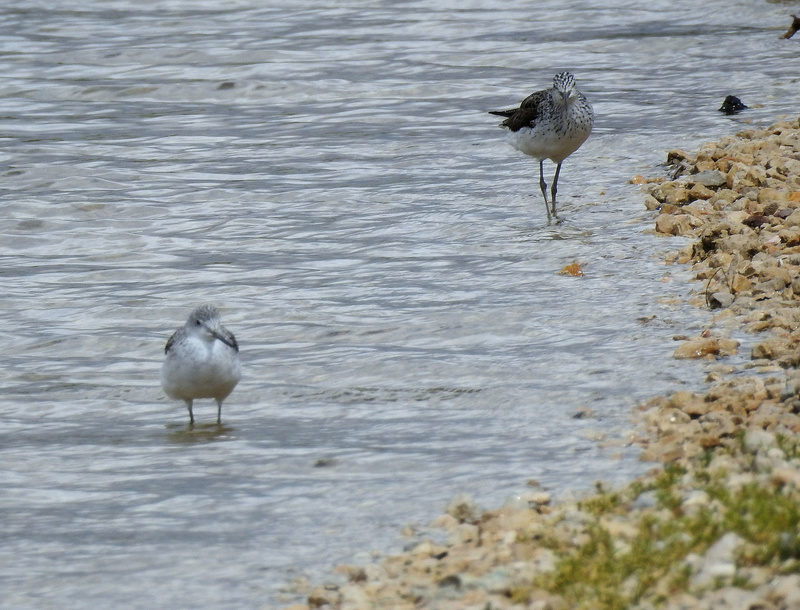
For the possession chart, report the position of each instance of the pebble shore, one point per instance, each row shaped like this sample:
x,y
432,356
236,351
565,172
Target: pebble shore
x,y
716,522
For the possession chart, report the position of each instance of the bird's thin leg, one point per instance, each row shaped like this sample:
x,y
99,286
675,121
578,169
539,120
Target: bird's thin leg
x,y
219,413
555,188
191,415
543,186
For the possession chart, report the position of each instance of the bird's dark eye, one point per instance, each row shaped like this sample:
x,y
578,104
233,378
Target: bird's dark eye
x,y
198,323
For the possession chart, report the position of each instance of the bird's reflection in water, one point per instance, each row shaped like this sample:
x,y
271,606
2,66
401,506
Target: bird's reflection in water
x,y
199,433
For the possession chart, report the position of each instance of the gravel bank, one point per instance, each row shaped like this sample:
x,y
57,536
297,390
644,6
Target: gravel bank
x,y
716,524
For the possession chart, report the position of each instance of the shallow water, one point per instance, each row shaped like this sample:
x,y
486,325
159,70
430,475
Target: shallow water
x,y
328,177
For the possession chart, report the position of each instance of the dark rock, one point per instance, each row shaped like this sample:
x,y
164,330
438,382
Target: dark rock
x,y
792,28
711,178
451,581
732,105
756,220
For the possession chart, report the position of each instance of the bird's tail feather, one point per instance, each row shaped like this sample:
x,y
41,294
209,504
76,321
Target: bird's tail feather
x,y
505,113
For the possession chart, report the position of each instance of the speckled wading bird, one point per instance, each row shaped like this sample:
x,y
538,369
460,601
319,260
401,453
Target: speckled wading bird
x,y
550,124
202,361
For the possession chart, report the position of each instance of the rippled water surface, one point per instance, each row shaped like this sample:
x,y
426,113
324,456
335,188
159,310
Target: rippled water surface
x,y
326,173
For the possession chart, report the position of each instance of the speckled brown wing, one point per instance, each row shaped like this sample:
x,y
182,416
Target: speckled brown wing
x,y
170,342
526,114
523,117
536,99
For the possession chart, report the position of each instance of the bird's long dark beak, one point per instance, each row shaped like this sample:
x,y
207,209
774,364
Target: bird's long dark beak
x,y
225,340
220,336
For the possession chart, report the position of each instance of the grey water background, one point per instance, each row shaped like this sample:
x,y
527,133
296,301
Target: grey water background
x,y
326,173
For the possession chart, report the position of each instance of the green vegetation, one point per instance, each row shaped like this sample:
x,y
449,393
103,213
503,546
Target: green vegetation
x,y
606,571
